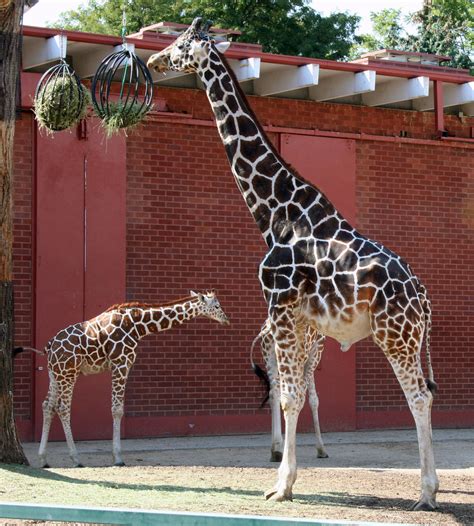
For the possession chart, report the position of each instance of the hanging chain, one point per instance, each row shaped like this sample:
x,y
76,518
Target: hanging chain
x,y
63,46
124,23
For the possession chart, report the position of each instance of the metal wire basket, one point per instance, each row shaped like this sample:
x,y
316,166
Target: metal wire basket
x,y
134,99
60,99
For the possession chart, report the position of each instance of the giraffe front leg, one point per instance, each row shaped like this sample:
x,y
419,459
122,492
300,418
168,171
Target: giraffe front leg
x,y
290,366
119,382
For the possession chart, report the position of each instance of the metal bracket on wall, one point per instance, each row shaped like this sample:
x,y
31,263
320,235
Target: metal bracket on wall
x,y
82,134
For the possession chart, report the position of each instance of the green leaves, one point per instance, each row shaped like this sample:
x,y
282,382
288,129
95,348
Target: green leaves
x,y
280,26
443,27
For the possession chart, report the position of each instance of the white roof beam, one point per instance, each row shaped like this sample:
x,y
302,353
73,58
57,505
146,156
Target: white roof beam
x,y
453,95
290,79
343,85
468,109
246,69
88,63
397,91
42,51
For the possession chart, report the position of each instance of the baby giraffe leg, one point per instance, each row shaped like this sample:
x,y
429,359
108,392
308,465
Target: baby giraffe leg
x,y
64,413
119,381
49,406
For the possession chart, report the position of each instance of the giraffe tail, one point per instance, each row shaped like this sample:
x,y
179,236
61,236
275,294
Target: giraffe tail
x,y
426,304
261,374
18,350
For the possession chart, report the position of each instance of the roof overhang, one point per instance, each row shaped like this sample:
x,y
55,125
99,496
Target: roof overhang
x,y
371,81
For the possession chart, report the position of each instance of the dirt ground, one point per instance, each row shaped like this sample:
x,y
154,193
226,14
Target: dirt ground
x,y
369,476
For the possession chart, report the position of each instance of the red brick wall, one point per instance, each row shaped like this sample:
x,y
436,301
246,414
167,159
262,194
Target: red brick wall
x,y
22,263
419,201
188,228
414,198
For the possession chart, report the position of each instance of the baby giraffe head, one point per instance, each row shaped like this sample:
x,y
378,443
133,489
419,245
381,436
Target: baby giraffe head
x,y
208,305
189,52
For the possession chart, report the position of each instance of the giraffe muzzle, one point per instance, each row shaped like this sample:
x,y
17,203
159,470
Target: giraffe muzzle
x,y
158,63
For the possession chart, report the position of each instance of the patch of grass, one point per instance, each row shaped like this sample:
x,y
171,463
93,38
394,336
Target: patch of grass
x,y
123,116
61,103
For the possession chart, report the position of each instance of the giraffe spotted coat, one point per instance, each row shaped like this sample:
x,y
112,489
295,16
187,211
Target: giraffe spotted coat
x,y
318,271
108,342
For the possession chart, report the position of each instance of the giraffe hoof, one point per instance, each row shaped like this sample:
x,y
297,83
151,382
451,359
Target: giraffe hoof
x,y
425,505
276,456
79,465
46,466
322,453
121,463
278,496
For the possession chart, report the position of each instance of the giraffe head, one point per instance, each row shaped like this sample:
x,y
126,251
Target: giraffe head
x,y
189,51
208,305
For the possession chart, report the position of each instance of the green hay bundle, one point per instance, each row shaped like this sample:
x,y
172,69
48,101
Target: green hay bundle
x,y
123,116
60,103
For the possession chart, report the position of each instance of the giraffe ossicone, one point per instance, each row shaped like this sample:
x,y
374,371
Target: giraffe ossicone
x,y
108,343
318,271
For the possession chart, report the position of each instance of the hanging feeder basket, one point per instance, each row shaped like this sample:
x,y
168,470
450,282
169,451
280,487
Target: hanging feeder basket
x,y
60,99
129,106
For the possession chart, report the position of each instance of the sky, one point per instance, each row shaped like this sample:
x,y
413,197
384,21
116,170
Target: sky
x,y
48,10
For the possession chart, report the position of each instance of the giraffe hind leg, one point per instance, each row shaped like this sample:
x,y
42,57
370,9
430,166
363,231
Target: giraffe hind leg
x,y
406,363
49,406
315,343
64,412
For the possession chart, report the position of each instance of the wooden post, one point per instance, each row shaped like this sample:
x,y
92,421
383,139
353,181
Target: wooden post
x,y
11,12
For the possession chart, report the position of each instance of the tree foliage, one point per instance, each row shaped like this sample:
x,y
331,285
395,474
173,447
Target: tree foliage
x,y
446,27
442,27
281,26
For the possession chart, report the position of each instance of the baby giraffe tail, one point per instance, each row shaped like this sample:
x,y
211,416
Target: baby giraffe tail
x,y
426,304
18,350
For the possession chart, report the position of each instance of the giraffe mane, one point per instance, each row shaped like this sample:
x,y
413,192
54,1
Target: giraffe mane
x,y
143,305
241,95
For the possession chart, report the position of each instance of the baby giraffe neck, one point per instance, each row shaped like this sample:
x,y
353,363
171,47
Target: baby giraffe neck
x,y
168,316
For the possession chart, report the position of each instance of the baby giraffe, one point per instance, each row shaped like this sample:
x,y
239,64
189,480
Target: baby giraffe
x,y
108,342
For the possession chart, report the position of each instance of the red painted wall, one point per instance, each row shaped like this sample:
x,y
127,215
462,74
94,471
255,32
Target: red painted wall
x,y
80,257
188,227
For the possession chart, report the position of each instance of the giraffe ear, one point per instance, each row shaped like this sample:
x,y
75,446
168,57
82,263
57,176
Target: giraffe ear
x,y
192,293
222,47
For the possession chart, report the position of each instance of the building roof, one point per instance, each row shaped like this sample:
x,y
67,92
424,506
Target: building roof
x,y
387,78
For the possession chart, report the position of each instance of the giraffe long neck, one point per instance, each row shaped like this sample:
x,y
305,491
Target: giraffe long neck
x,y
157,319
262,176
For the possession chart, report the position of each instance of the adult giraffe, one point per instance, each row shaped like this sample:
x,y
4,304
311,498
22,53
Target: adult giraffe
x,y
318,270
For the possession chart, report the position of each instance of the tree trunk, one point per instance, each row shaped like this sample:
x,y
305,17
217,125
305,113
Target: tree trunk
x,y
11,12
